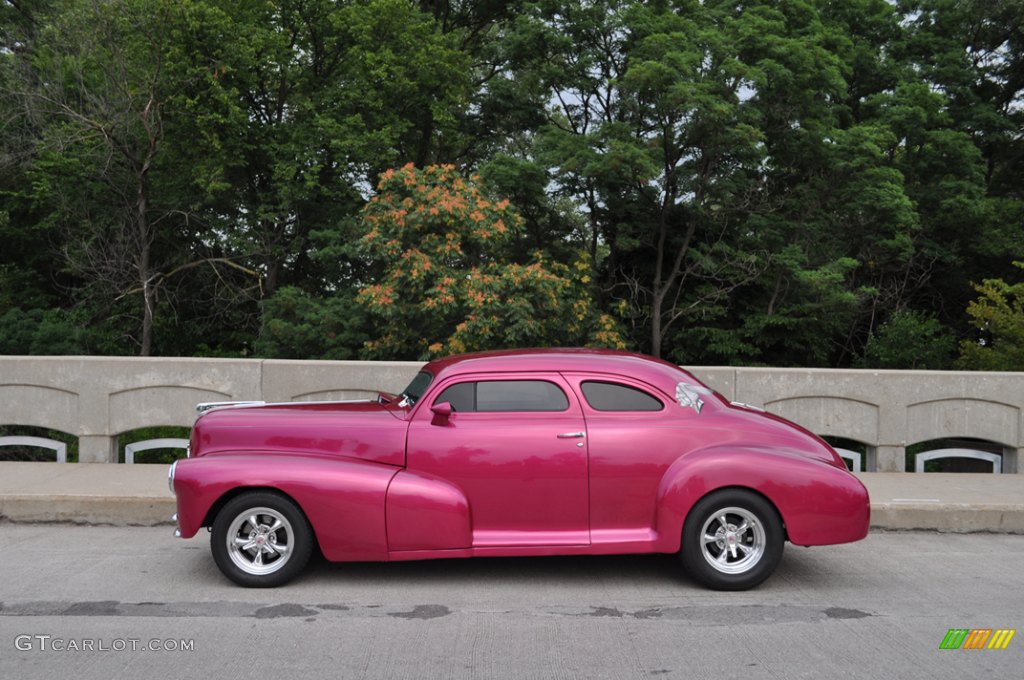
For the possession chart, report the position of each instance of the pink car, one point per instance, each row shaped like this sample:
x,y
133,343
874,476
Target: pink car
x,y
531,452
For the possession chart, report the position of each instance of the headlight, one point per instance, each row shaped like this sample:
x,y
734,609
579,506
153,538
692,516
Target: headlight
x,y
170,477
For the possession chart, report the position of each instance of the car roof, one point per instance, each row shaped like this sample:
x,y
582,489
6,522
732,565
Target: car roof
x,y
642,367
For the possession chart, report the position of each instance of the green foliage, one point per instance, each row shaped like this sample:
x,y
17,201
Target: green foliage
x,y
300,326
910,340
998,316
55,331
297,104
716,183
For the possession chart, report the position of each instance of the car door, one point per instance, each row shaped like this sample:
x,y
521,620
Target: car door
x,y
634,433
516,447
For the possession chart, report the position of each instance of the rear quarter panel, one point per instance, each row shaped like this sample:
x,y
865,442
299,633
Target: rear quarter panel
x,y
819,504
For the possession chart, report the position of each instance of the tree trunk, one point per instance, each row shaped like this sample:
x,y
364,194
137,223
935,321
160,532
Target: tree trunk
x,y
656,326
145,275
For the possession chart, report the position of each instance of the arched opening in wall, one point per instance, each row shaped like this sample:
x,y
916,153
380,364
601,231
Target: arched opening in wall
x,y
858,456
957,454
37,444
156,444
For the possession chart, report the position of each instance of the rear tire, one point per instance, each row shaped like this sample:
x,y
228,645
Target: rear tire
x,y
261,539
732,540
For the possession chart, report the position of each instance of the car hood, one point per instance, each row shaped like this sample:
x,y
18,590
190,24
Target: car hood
x,y
367,430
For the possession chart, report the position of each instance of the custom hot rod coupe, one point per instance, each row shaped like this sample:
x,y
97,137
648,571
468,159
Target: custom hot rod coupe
x,y
527,452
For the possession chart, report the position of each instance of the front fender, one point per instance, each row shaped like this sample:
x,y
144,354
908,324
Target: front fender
x,y
819,503
342,498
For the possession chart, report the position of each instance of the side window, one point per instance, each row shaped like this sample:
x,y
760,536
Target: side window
x,y
520,395
505,395
605,396
461,395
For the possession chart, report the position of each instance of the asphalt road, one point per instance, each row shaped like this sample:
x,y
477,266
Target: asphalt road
x,y
875,609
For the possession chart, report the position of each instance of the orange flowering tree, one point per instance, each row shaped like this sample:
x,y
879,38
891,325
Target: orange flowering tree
x,y
449,276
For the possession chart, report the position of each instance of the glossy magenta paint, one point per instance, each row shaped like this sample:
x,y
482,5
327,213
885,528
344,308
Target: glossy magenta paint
x,y
342,498
380,481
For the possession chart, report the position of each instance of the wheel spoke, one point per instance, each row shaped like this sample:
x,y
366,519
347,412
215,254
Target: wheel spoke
x,y
723,557
746,550
258,559
244,543
279,548
724,522
708,538
742,529
253,522
277,525
732,550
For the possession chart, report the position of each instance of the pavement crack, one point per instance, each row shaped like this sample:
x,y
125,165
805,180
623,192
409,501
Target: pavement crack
x,y
98,608
606,611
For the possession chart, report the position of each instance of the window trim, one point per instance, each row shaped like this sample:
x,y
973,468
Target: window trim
x,y
555,380
582,380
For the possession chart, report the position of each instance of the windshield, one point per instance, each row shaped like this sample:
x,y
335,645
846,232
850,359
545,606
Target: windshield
x,y
415,390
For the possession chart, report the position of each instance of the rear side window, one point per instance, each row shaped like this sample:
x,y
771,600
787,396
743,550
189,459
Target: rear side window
x,y
505,395
606,396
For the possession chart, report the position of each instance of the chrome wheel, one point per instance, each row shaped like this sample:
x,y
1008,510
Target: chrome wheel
x,y
259,541
733,540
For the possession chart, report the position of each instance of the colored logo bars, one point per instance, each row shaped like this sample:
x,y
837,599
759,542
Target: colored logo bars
x,y
977,638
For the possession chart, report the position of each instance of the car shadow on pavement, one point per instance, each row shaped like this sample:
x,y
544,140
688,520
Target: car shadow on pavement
x,y
811,569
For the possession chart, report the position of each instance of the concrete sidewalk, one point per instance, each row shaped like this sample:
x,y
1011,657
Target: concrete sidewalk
x,y
85,493
137,495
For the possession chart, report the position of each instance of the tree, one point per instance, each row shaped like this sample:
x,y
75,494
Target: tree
x,y
299,106
443,256
98,96
301,326
967,154
94,90
998,316
782,182
826,205
910,340
651,140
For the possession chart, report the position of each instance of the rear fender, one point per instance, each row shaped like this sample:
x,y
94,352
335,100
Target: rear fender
x,y
343,499
819,504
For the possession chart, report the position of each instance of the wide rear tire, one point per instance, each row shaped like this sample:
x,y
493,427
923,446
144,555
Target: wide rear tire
x,y
732,540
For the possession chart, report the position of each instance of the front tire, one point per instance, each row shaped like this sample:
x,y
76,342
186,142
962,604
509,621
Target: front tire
x,y
732,540
261,540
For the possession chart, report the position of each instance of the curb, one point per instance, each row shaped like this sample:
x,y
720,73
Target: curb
x,y
960,518
128,511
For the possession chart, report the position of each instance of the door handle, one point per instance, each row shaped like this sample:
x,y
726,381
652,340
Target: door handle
x,y
572,435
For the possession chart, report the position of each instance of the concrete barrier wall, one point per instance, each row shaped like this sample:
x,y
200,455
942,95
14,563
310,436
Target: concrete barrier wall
x,y
98,398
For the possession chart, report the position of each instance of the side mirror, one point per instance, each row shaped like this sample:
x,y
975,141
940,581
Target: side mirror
x,y
442,412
